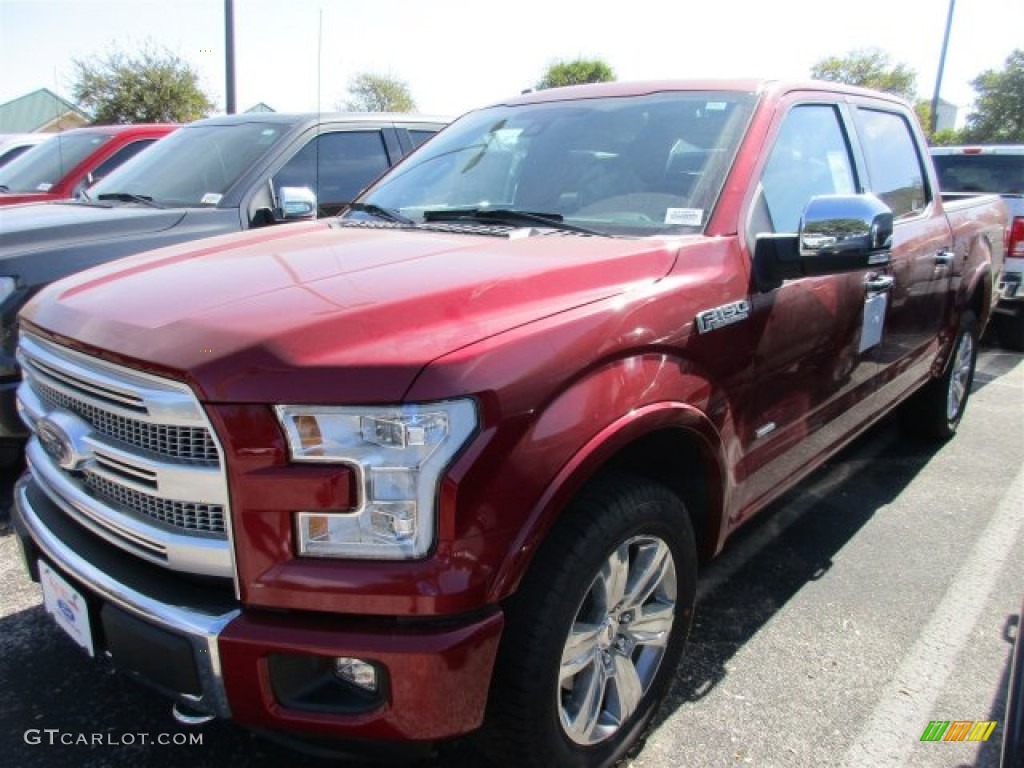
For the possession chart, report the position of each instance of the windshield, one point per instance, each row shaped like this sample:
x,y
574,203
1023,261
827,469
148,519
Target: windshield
x,y
638,165
194,166
41,167
981,173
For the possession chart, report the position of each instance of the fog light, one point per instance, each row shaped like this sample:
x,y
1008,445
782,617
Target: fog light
x,y
360,673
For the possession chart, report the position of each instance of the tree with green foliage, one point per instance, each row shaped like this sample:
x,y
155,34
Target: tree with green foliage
x,y
370,92
998,116
153,86
868,68
576,72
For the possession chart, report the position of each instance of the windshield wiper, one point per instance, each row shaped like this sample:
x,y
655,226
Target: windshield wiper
x,y
128,197
380,212
510,215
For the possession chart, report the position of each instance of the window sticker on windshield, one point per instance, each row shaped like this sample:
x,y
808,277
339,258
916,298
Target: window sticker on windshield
x,y
715,106
685,217
44,187
211,198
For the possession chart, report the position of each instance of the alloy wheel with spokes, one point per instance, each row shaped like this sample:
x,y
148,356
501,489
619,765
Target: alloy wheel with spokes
x,y
960,376
617,639
595,631
936,409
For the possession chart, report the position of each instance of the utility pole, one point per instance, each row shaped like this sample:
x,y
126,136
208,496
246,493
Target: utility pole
x,y
942,63
229,54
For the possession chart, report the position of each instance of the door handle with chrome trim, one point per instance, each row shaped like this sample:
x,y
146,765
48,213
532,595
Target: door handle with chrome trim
x,y
944,257
879,283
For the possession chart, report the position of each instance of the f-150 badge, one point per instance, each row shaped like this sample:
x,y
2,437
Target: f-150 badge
x,y
719,317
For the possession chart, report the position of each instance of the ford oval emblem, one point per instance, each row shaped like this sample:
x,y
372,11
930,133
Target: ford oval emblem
x,y
64,437
54,441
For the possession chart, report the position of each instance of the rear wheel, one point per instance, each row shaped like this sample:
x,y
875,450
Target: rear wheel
x,y
936,410
596,630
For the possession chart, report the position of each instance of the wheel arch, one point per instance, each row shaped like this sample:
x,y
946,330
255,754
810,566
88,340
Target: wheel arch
x,y
976,292
672,443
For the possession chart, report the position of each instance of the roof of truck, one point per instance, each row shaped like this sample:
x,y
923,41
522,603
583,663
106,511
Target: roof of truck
x,y
743,85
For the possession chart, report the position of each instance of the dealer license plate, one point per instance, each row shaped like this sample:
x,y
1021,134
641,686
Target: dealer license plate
x,y
67,607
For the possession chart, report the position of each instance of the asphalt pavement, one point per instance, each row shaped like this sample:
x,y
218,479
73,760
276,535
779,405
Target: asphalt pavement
x,y
877,596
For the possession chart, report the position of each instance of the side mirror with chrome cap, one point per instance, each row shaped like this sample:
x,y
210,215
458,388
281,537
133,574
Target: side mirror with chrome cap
x,y
838,233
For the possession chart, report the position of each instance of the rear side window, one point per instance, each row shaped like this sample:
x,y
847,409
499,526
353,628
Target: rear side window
x,y
419,136
894,166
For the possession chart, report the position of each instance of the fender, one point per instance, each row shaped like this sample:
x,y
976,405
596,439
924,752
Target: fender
x,y
666,401
974,291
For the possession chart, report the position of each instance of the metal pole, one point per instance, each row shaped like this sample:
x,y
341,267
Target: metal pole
x,y
229,54
942,64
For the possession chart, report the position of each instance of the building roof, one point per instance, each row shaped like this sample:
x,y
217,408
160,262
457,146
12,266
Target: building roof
x,y
39,111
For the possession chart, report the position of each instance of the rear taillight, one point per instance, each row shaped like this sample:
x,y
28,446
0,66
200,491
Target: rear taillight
x,y
1015,242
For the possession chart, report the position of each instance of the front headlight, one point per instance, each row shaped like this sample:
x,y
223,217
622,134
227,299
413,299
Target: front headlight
x,y
398,453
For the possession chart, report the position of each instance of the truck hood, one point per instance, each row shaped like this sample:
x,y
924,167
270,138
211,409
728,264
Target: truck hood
x,y
309,313
32,228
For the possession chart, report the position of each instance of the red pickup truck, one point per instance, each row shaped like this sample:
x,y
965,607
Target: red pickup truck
x,y
449,463
73,161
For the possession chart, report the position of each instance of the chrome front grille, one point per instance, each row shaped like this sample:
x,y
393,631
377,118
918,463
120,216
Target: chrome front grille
x,y
187,515
129,455
190,444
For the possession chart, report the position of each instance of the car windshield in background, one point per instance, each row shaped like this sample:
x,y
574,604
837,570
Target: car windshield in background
x,y
194,166
38,169
996,173
628,166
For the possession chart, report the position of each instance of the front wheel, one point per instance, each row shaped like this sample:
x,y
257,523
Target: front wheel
x,y
595,631
936,410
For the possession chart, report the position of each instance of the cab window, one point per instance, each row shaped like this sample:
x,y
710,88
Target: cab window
x,y
894,166
336,166
810,157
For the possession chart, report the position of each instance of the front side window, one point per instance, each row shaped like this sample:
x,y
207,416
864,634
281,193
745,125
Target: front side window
x,y
894,166
336,166
39,169
633,165
810,157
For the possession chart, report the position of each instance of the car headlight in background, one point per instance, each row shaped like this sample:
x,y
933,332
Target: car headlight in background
x,y
398,452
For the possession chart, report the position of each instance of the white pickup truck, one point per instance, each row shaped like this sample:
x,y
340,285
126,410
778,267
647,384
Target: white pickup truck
x,y
998,169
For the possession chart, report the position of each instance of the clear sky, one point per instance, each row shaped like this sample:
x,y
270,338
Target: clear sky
x,y
456,55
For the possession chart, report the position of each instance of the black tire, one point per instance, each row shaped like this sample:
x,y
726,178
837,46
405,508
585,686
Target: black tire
x,y
12,455
1011,331
935,411
618,534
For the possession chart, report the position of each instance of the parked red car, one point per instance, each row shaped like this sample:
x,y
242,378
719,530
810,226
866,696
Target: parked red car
x,y
73,161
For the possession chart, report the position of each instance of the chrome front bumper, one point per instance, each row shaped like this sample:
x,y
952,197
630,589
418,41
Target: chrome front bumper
x,y
131,587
